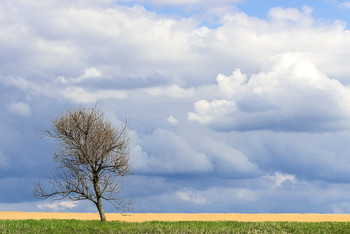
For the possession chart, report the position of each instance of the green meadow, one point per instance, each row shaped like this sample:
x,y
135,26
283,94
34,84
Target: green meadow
x,y
76,226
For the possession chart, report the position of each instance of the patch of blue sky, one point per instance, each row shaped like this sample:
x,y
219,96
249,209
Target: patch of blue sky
x,y
206,20
322,10
159,9
179,11
212,24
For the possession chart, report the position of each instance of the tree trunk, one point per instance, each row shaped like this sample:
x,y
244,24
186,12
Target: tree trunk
x,y
98,197
100,209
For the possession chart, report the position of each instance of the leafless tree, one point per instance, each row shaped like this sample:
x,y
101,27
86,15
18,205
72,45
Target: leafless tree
x,y
91,156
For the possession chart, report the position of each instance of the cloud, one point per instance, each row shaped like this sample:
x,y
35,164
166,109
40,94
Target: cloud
x,y
173,91
79,90
76,94
18,187
4,162
189,151
291,17
345,5
29,87
151,66
20,108
289,94
188,195
249,196
78,36
172,120
58,206
165,152
228,161
280,178
206,111
191,2
208,7
191,200
81,95
89,73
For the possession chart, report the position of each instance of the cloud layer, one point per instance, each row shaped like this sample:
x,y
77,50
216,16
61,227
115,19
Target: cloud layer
x,y
228,112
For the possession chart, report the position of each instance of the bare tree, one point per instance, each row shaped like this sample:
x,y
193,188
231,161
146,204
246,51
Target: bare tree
x,y
91,156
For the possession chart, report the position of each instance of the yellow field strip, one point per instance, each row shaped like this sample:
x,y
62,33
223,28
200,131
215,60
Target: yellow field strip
x,y
142,217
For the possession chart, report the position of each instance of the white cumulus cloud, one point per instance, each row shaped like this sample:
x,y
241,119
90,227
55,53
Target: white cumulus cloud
x,y
289,93
58,206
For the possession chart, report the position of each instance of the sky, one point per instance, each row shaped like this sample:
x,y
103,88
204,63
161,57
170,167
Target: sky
x,y
233,106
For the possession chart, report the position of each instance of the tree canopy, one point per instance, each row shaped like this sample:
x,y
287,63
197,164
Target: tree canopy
x,y
91,157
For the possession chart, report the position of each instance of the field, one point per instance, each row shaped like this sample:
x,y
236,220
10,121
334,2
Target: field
x,y
26,222
144,217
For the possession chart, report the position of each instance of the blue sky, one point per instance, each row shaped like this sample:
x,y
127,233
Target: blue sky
x,y
233,106
322,10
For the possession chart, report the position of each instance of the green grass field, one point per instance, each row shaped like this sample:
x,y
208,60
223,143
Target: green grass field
x,y
75,226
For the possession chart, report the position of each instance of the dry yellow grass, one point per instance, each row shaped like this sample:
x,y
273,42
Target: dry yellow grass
x,y
142,217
